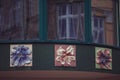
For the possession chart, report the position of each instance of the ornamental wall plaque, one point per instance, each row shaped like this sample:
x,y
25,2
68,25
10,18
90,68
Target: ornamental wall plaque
x,y
103,58
20,55
65,55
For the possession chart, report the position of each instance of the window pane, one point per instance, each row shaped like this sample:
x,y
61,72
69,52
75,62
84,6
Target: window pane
x,y
16,22
62,28
103,21
65,20
98,30
95,34
32,22
73,28
95,22
62,10
101,39
75,8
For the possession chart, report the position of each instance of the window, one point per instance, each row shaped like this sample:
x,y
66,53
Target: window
x,y
16,20
32,23
98,29
0,16
11,20
1,20
20,20
18,13
104,27
33,10
66,20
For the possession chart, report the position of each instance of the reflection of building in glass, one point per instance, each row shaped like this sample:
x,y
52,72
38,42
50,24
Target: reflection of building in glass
x,y
18,19
66,19
103,25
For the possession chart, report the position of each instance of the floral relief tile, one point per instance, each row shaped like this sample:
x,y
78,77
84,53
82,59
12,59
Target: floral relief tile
x,y
65,55
20,55
103,58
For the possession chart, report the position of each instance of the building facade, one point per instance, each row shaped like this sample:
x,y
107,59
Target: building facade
x,y
60,35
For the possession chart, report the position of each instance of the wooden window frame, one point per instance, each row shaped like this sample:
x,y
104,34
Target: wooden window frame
x,y
56,31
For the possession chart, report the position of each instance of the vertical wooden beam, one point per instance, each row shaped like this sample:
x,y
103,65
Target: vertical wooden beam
x,y
88,30
43,20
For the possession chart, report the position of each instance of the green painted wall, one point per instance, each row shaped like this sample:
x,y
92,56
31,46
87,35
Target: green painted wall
x,y
43,58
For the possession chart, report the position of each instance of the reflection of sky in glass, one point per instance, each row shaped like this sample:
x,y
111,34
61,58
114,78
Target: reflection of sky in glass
x,y
20,55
